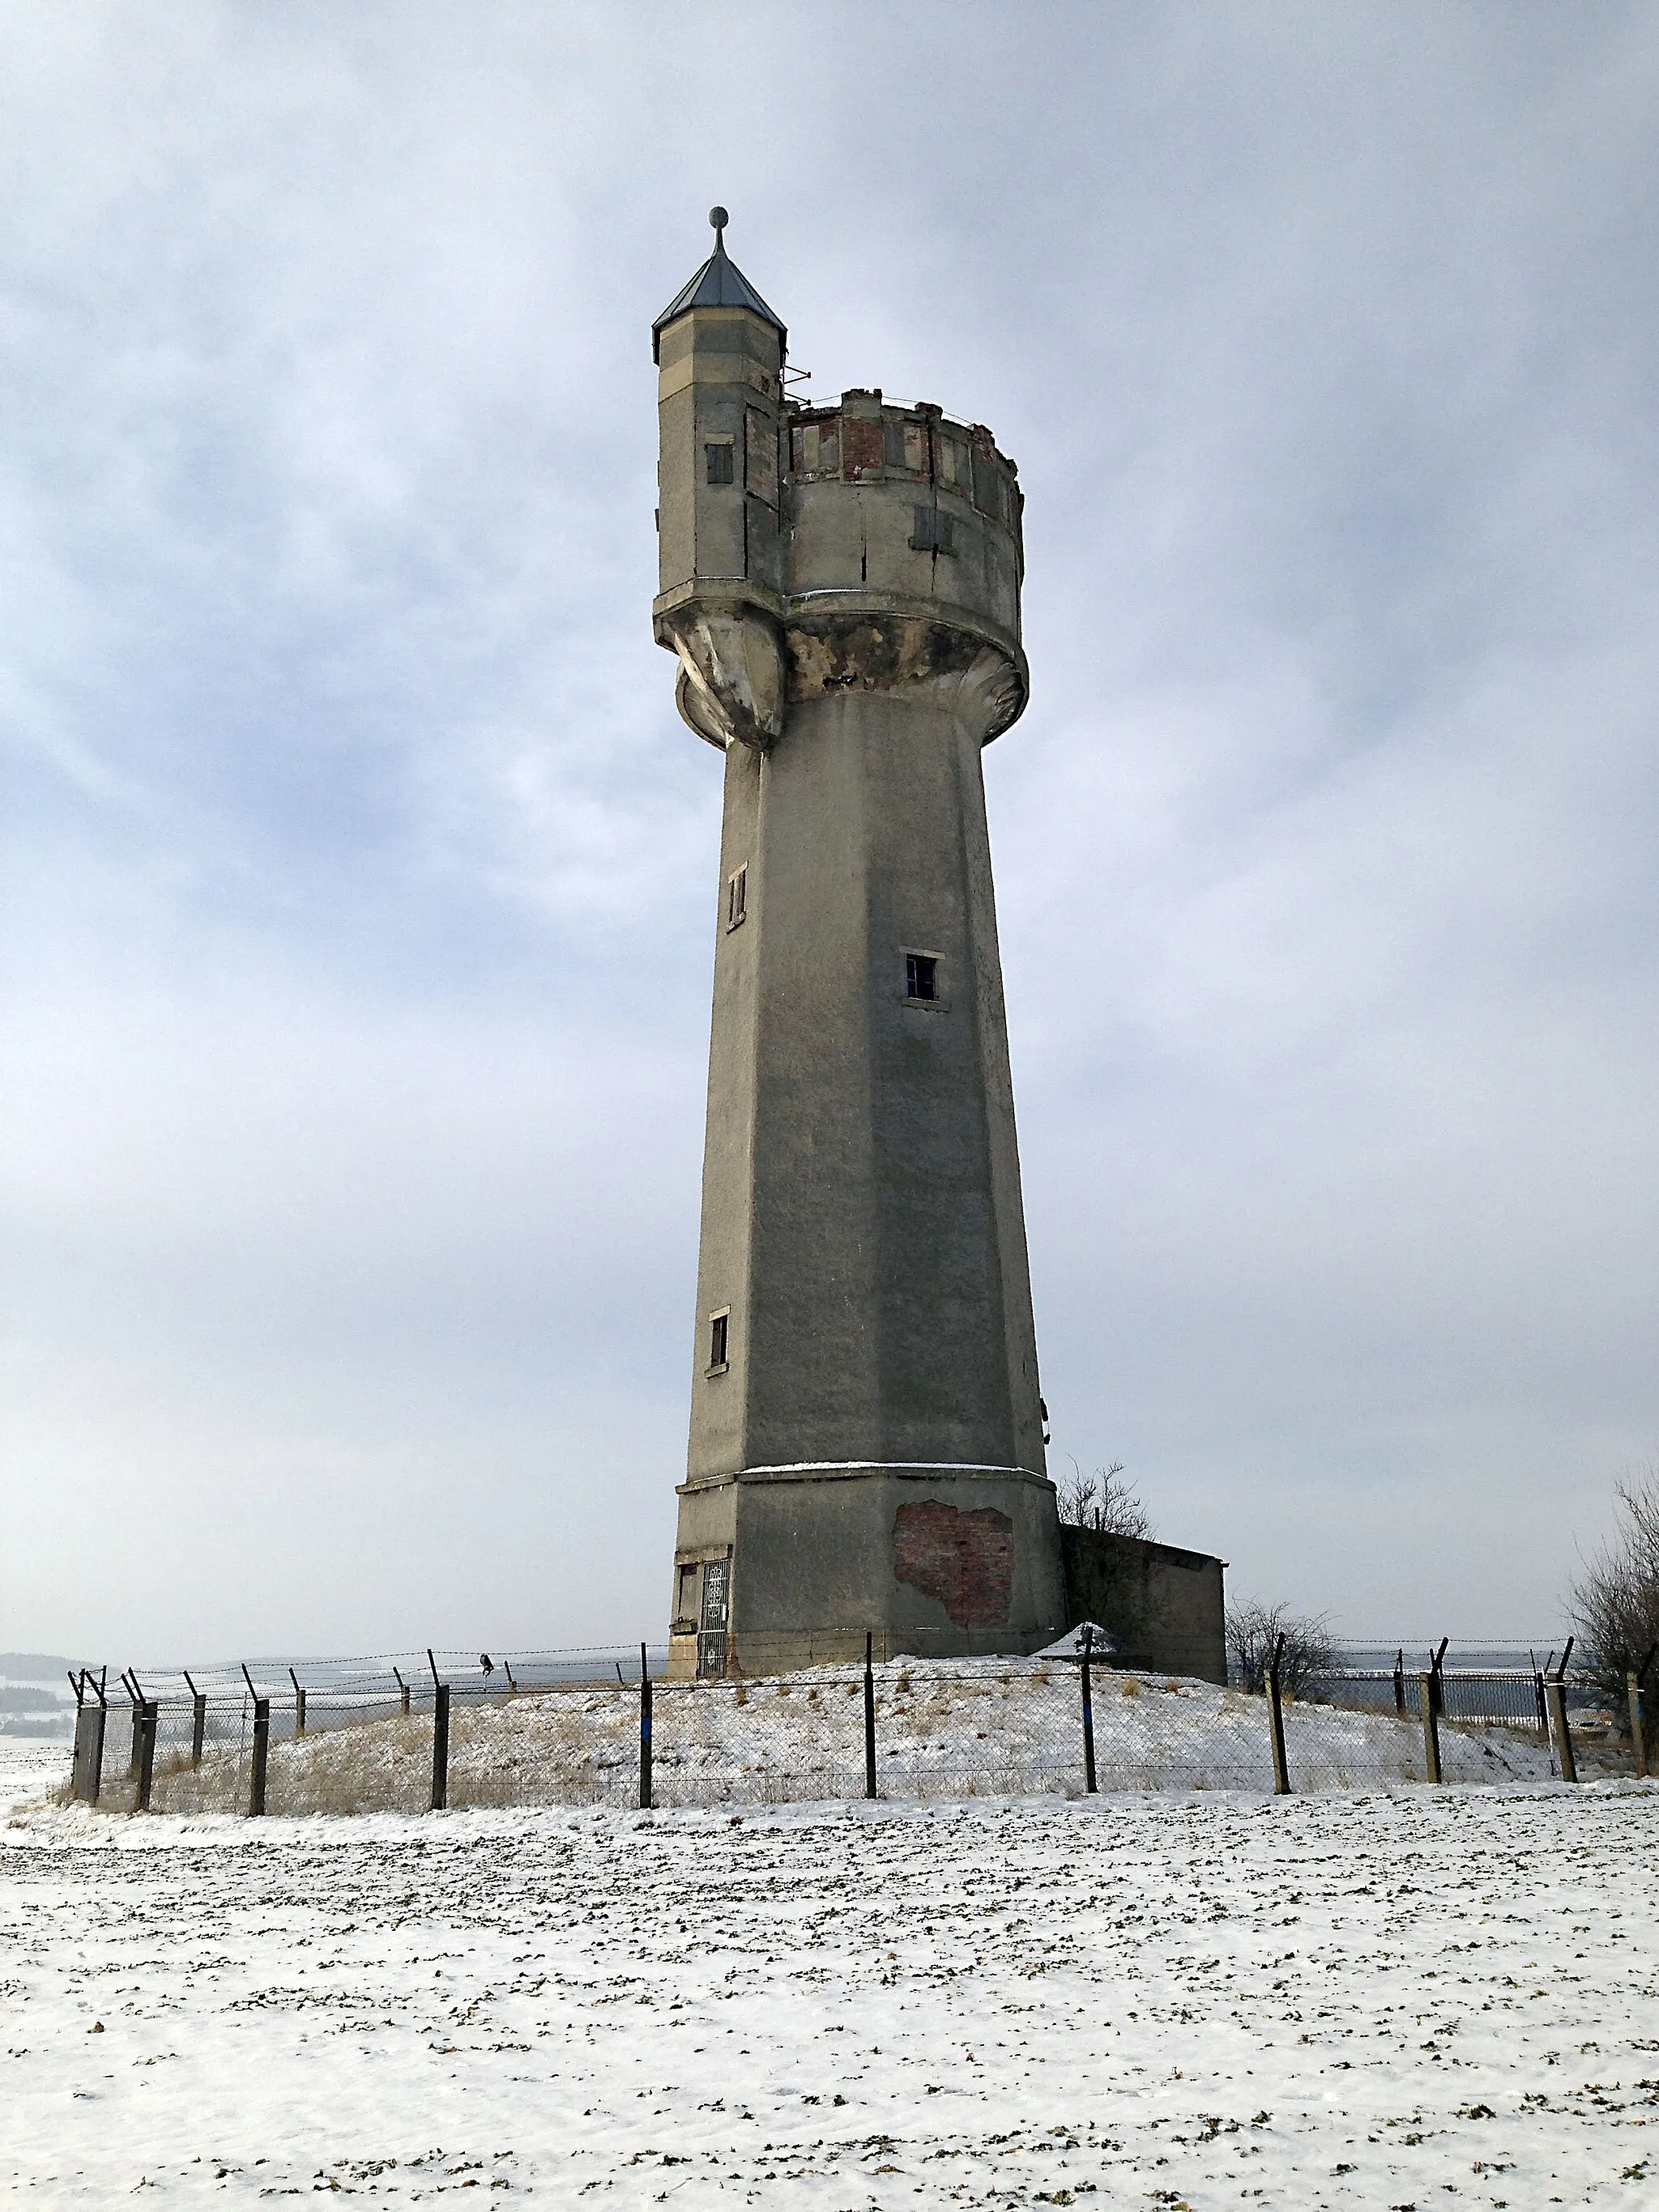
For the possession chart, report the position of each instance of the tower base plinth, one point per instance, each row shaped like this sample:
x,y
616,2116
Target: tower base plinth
x,y
784,1567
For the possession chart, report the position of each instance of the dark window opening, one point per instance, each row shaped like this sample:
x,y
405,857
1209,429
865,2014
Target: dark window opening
x,y
719,1325
934,532
736,896
719,458
920,975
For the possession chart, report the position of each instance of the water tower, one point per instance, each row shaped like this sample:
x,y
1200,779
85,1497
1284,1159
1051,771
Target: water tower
x,y
840,584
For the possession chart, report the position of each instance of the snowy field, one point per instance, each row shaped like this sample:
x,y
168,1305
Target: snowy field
x,y
1378,2001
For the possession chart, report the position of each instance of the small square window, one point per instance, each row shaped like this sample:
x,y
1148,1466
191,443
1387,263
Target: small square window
x,y
920,976
719,458
736,896
719,1340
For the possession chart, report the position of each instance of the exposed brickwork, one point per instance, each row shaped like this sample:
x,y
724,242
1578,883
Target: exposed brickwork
x,y
965,1560
860,445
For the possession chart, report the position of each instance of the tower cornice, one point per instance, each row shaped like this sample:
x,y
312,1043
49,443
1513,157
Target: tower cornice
x,y
839,641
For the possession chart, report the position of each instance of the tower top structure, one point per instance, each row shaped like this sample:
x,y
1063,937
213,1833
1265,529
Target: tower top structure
x,y
806,547
719,283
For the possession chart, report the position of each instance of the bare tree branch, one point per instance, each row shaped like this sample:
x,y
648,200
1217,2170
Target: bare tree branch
x,y
1100,1501
1615,1603
1254,1630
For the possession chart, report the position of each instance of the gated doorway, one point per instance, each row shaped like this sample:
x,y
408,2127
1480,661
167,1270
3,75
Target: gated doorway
x,y
711,1627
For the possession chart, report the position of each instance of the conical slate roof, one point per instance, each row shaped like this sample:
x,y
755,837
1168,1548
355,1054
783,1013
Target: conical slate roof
x,y
719,283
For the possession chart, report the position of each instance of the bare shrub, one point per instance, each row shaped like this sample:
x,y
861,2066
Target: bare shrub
x,y
1253,1634
1103,1502
1615,1603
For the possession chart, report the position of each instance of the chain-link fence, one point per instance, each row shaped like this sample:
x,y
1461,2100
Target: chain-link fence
x,y
598,1727
1493,1684
1483,1711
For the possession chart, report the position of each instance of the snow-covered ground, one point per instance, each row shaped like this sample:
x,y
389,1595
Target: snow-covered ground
x,y
1374,2001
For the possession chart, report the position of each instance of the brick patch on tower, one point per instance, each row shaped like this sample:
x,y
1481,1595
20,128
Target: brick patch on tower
x,y
861,444
965,1560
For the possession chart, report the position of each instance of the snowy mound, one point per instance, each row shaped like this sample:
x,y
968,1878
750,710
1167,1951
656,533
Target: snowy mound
x,y
944,1728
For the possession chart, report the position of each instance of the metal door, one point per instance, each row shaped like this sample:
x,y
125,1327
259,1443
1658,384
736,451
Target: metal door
x,y
711,1632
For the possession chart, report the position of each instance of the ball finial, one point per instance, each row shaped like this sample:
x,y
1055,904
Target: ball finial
x,y
718,218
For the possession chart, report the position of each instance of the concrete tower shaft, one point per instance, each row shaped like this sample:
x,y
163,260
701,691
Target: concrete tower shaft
x,y
841,585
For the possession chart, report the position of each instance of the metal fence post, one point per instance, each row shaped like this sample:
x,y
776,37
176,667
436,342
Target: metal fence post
x,y
1437,1661
148,1715
1088,1715
869,1715
1634,1684
299,1704
198,1721
1276,1724
90,1723
75,1683
256,1788
1555,1693
1425,1697
1399,1682
439,1739
403,1688
645,1733
136,1699
1638,1738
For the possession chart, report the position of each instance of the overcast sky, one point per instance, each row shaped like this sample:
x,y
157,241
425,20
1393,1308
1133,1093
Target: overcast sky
x,y
359,878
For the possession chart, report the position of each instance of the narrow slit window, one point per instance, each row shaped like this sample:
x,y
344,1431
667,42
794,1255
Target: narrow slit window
x,y
920,976
719,459
719,1339
736,896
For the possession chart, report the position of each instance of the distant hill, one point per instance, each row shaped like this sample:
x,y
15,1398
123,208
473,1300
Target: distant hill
x,y
35,1666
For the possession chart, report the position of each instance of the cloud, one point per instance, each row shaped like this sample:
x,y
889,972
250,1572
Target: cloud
x,y
356,949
